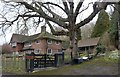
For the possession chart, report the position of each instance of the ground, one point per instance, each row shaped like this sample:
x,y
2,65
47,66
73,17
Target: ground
x,y
97,66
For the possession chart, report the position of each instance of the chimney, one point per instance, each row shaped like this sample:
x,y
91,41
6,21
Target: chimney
x,y
43,28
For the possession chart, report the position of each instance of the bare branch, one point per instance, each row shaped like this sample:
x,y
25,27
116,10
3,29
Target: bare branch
x,y
54,14
42,14
78,8
66,6
55,5
96,8
86,7
56,32
116,8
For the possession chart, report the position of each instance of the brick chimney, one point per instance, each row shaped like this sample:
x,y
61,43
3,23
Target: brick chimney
x,y
43,28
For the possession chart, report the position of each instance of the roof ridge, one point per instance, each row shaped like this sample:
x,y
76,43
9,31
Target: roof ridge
x,y
19,34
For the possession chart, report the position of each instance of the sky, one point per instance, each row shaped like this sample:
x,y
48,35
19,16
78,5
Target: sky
x,y
7,37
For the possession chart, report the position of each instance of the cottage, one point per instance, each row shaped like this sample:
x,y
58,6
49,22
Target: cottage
x,y
87,45
41,43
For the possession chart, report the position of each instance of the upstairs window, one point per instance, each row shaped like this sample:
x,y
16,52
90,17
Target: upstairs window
x,y
14,44
37,41
49,51
49,41
27,44
57,42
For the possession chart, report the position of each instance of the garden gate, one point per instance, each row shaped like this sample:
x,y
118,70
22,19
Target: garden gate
x,y
43,60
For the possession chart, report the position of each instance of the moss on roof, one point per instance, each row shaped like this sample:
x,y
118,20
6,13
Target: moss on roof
x,y
42,35
47,35
19,38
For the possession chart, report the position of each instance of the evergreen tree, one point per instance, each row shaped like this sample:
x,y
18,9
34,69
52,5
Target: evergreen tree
x,y
113,28
101,24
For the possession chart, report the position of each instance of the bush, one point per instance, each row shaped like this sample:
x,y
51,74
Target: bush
x,y
100,49
114,55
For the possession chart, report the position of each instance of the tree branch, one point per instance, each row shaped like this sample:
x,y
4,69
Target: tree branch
x,y
86,8
54,14
78,8
96,8
66,6
44,15
55,5
56,32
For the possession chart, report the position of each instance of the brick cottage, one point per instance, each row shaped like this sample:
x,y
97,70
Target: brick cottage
x,y
41,43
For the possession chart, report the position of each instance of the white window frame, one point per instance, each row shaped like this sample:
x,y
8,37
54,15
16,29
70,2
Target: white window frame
x,y
48,41
13,44
48,51
37,51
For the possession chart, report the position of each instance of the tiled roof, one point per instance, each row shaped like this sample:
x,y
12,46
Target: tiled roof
x,y
19,38
24,38
88,42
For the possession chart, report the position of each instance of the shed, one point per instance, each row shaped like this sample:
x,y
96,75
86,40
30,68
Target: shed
x,y
88,44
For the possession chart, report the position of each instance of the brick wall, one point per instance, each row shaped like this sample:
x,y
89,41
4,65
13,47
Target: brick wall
x,y
43,46
18,47
54,46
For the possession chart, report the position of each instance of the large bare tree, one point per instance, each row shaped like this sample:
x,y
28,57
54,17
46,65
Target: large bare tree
x,y
46,11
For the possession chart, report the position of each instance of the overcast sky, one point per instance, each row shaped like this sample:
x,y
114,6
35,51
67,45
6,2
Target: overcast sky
x,y
6,38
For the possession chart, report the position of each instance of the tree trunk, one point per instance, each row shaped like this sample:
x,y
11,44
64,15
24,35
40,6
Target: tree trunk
x,y
119,26
73,44
117,38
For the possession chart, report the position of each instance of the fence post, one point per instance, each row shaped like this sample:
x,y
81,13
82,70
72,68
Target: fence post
x,y
71,56
56,59
29,64
45,56
63,57
32,62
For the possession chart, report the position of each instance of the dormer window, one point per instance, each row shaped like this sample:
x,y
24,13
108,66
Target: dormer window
x,y
27,44
14,44
49,41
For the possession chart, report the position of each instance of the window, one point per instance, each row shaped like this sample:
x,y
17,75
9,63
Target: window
x,y
49,41
37,41
14,44
37,51
28,44
57,42
49,51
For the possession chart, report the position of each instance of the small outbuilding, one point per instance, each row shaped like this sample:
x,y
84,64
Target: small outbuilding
x,y
88,45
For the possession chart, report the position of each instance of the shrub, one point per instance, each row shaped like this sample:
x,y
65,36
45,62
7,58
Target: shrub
x,y
100,49
114,55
